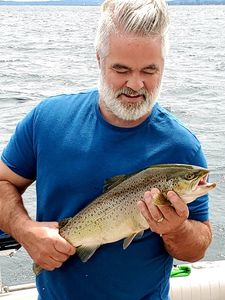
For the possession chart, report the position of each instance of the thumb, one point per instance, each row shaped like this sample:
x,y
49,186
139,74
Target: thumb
x,y
63,246
54,225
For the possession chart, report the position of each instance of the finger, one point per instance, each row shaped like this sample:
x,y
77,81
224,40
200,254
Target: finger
x,y
50,268
153,209
51,265
59,256
145,212
61,245
178,204
48,262
54,225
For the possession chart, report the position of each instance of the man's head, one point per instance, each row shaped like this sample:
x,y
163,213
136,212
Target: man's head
x,y
131,45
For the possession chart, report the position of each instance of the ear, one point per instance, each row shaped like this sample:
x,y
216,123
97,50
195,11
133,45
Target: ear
x,y
98,59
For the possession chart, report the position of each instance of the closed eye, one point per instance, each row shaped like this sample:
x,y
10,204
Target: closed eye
x,y
120,68
152,69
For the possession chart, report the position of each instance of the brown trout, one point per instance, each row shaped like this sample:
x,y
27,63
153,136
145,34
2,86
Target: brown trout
x,y
114,215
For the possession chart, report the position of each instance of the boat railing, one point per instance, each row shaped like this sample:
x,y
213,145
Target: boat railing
x,y
8,246
16,288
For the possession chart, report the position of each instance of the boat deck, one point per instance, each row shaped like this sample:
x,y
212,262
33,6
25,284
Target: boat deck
x,y
206,282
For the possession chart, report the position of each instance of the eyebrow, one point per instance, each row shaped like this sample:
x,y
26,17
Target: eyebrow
x,y
120,66
152,67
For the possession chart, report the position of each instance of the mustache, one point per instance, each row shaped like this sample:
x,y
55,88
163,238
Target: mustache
x,y
128,91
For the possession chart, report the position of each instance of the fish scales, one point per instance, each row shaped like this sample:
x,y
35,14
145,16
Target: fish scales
x,y
113,210
119,206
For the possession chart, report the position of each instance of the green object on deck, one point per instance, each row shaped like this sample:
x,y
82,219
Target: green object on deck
x,y
180,271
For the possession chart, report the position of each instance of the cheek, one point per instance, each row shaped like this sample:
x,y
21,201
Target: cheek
x,y
153,83
115,81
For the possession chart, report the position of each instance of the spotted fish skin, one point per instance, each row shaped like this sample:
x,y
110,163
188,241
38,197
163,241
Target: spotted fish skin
x,y
114,215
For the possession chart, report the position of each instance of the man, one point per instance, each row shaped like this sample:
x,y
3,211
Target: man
x,y
70,144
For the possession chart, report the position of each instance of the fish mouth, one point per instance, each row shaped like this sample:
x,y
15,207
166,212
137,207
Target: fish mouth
x,y
203,184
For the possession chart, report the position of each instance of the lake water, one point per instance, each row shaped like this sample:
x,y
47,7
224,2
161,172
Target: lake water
x,y
46,51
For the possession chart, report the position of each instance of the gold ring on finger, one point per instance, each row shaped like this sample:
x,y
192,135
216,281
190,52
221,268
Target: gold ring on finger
x,y
160,220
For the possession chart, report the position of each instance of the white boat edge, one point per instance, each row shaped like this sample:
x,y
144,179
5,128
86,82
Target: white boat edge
x,y
205,282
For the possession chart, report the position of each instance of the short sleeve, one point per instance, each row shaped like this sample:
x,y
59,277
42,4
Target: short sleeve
x,y
19,154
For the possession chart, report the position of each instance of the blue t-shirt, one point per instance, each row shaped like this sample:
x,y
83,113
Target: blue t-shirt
x,y
70,150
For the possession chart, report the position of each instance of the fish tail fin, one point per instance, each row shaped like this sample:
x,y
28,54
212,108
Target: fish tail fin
x,y
37,269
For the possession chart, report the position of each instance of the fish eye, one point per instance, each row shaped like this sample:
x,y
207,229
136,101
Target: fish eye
x,y
189,176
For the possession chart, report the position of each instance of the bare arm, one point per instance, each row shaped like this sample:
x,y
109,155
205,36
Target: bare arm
x,y
184,239
190,242
12,211
41,239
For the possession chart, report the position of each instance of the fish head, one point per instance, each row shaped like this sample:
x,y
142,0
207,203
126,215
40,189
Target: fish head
x,y
189,182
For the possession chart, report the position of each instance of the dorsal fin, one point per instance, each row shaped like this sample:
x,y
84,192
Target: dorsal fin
x,y
114,181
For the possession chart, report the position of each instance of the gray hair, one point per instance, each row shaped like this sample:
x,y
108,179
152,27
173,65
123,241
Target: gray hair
x,y
145,18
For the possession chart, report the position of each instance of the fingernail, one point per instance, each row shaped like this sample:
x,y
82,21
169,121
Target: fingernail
x,y
155,192
147,194
170,194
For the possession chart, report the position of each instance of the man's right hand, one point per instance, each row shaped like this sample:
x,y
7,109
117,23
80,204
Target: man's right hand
x,y
44,244
41,239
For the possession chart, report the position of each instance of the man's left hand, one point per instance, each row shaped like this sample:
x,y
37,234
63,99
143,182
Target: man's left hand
x,y
164,219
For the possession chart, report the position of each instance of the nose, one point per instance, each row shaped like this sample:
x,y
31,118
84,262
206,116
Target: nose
x,y
135,82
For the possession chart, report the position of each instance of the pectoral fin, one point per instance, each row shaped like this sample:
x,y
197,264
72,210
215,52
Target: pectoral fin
x,y
85,252
130,238
37,269
160,199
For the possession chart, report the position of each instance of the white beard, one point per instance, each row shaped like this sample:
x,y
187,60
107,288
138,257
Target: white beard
x,y
127,111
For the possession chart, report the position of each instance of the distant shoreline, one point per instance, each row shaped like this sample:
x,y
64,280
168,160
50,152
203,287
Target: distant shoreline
x,y
71,3
43,3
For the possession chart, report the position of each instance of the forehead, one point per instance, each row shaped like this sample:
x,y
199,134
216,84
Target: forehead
x,y
132,50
